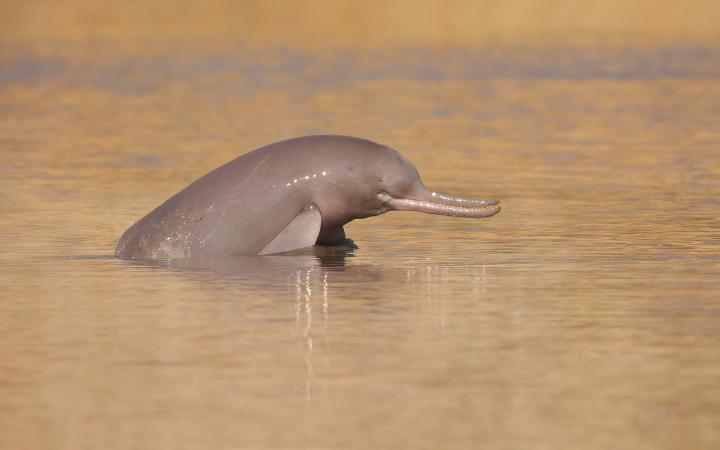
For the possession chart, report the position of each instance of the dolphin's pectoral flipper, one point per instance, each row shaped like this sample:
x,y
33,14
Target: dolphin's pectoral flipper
x,y
301,232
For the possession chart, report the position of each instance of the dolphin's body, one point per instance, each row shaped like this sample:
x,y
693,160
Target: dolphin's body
x,y
286,196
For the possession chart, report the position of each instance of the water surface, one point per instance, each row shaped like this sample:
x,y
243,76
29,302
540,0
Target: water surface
x,y
584,316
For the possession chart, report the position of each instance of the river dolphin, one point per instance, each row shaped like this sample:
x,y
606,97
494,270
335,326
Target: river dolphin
x,y
287,196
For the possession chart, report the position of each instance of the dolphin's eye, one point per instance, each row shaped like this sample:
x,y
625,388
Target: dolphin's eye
x,y
404,188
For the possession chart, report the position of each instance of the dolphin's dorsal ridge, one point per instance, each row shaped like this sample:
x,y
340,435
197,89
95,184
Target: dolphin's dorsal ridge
x,y
301,232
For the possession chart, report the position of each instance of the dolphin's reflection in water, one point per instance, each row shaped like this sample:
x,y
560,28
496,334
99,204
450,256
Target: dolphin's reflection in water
x,y
313,279
266,267
309,283
301,276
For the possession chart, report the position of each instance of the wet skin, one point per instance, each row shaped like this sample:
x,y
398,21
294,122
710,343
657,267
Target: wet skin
x,y
285,196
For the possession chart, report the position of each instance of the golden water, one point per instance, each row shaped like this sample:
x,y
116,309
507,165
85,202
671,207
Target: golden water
x,y
585,315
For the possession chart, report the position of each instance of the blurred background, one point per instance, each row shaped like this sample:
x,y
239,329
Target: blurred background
x,y
370,24
583,316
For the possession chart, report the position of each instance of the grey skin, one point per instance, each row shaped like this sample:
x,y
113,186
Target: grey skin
x,y
286,196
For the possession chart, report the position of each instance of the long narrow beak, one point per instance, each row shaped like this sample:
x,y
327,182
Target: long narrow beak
x,y
445,205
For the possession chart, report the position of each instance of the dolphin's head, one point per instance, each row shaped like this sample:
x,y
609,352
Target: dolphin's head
x,y
400,188
371,179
